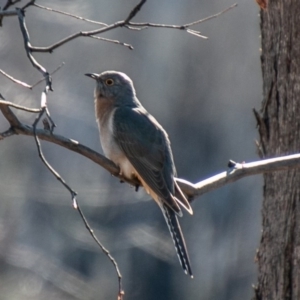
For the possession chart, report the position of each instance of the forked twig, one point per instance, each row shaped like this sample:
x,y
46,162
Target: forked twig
x,y
24,84
125,23
73,195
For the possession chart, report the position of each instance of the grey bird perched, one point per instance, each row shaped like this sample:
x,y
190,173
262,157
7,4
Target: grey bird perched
x,y
138,144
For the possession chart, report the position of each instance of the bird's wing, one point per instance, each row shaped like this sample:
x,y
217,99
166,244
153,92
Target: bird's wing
x,y
147,147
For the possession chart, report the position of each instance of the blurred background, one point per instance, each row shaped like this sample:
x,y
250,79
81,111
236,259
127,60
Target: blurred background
x,y
201,91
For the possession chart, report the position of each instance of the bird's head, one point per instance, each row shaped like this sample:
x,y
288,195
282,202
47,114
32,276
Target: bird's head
x,y
115,86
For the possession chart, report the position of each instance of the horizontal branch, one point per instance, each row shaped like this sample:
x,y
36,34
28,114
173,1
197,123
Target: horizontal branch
x,y
125,23
8,13
235,172
33,110
181,27
74,36
238,171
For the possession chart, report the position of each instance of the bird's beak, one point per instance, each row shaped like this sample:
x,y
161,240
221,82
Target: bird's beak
x,y
92,75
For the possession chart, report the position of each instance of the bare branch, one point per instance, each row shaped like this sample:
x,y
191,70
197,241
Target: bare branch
x,y
104,250
42,79
33,110
236,171
141,26
7,13
69,15
9,115
10,3
133,25
24,84
196,33
112,41
27,46
41,155
72,192
15,80
28,4
74,36
125,23
135,11
211,17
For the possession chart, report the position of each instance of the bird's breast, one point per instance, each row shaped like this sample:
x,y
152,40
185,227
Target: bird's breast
x,y
110,147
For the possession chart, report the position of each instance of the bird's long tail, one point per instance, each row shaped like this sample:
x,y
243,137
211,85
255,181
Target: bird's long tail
x,y
178,238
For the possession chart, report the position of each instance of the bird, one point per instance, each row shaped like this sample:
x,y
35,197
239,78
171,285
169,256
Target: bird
x,y
134,140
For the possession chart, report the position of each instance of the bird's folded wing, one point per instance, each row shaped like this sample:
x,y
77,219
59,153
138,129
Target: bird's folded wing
x,y
147,147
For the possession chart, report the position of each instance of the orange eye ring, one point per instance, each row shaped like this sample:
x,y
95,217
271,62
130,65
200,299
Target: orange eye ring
x,y
109,82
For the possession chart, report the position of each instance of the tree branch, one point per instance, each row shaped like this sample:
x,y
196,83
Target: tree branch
x,y
135,10
132,25
28,47
26,85
235,172
69,15
104,250
10,3
33,110
125,23
112,41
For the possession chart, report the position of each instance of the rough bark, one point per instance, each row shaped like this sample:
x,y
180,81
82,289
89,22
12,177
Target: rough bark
x,y
279,128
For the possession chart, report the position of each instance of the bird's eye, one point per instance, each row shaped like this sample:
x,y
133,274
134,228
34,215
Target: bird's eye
x,y
109,82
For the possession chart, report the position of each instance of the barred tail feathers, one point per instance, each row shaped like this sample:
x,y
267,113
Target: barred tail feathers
x,y
178,239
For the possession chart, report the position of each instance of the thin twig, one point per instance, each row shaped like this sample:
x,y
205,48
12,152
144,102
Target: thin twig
x,y
196,33
7,13
44,109
27,46
211,17
28,4
51,169
33,110
74,201
42,157
135,10
24,84
74,36
15,80
112,41
69,15
132,25
10,3
104,250
42,79
53,125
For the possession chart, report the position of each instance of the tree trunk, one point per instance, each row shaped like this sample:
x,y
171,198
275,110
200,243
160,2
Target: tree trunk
x,y
279,128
